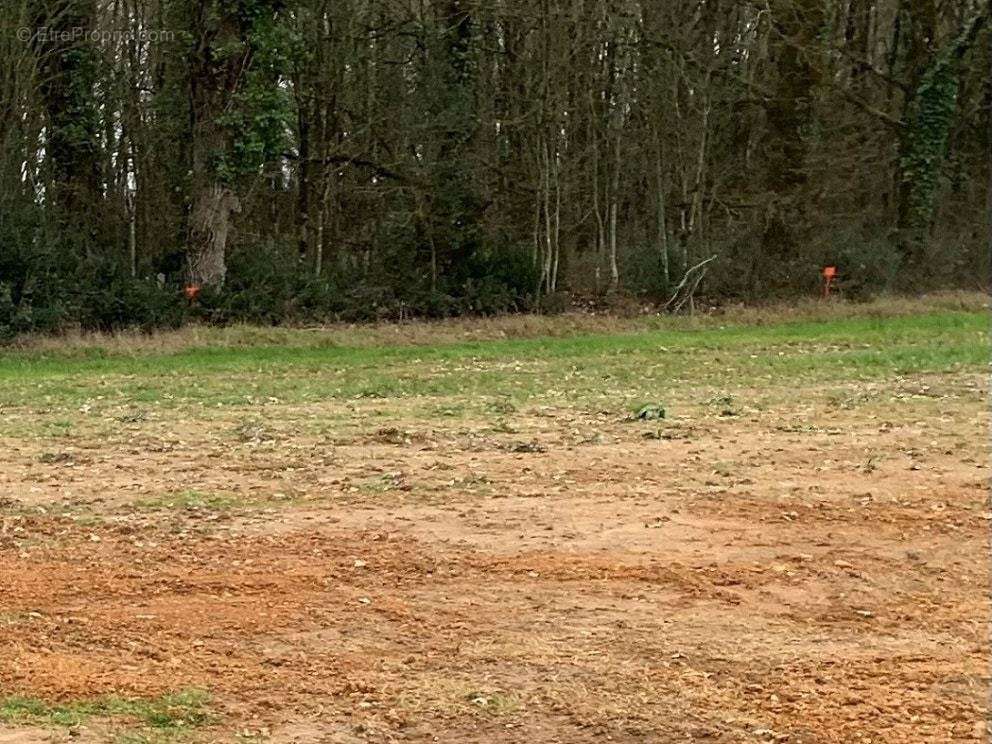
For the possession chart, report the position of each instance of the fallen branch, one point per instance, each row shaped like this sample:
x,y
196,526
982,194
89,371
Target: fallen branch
x,y
685,280
690,295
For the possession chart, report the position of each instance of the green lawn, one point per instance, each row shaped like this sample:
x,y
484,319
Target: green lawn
x,y
582,368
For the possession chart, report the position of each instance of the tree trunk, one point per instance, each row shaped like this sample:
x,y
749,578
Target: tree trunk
x,y
556,225
209,227
215,75
796,29
662,226
303,178
597,211
614,208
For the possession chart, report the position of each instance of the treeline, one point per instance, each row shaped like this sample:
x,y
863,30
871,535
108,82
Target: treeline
x,y
280,160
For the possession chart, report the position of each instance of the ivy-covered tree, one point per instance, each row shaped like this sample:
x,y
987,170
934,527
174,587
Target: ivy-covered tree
x,y
932,107
239,114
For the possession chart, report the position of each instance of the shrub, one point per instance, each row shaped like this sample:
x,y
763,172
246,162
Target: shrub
x,y
866,267
267,284
106,298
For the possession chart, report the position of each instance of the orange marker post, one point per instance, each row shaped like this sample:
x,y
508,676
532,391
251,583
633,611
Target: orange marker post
x,y
192,291
829,274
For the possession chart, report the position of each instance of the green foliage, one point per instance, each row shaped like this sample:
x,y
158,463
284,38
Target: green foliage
x,y
34,288
452,230
53,289
46,285
267,284
78,123
554,303
73,131
500,279
933,113
936,100
650,412
172,712
11,322
643,272
260,111
107,298
867,265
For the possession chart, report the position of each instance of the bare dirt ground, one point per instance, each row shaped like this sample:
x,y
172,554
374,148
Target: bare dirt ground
x,y
793,573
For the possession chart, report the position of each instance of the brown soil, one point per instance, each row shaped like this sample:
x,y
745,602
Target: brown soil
x,y
804,574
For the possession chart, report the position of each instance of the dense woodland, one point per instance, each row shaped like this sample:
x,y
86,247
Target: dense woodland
x,y
304,160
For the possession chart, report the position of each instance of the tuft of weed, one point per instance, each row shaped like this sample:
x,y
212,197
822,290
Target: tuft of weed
x,y
650,412
726,403
252,431
190,500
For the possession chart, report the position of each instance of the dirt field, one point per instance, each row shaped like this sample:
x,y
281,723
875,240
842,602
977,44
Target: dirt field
x,y
794,554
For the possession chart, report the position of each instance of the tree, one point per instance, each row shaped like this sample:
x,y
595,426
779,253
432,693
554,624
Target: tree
x,y
238,114
68,70
376,158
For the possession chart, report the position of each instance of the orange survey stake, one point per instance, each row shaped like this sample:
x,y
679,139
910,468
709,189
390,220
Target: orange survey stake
x,y
829,274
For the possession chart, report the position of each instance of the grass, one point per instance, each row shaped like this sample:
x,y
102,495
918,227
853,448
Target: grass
x,y
191,500
199,501
56,390
486,329
158,719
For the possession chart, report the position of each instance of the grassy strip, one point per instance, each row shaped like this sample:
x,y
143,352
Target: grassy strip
x,y
168,714
433,333
581,368
844,333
